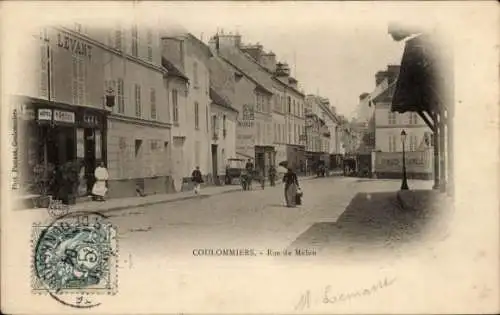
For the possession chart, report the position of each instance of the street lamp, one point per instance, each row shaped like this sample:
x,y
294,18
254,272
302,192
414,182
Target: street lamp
x,y
404,184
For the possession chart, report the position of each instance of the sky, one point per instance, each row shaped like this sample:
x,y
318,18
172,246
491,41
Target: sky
x,y
332,49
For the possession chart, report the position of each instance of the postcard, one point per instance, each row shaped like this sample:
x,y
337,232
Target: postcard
x,y
249,157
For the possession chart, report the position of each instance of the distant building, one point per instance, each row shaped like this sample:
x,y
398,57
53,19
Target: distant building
x,y
253,92
388,125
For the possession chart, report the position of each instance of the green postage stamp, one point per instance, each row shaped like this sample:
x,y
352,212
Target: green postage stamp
x,y
75,254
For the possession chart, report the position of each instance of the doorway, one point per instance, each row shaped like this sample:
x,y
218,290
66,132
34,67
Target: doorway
x,y
215,164
89,157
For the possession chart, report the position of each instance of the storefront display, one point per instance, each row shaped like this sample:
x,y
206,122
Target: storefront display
x,y
55,134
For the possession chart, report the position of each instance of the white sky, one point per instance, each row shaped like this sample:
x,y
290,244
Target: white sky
x,y
338,46
335,54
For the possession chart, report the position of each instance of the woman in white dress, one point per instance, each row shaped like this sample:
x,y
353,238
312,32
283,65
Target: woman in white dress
x,y
101,176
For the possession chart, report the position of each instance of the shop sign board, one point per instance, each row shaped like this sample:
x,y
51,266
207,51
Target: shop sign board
x,y
64,116
44,114
392,162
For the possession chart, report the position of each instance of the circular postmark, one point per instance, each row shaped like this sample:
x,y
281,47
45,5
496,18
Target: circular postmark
x,y
57,209
75,259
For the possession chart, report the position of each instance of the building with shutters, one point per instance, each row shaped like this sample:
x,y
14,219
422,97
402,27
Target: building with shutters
x,y
139,125
223,116
383,133
388,125
253,93
66,115
191,126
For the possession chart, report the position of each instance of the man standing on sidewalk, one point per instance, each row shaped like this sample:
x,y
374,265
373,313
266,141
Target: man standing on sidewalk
x,y
197,179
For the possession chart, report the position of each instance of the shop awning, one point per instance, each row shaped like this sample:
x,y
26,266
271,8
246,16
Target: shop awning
x,y
419,83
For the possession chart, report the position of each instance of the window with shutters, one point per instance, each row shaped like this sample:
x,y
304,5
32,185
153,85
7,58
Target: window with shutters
x,y
44,70
413,143
78,80
196,115
149,40
392,118
224,126
195,75
153,103
120,99
135,41
137,97
118,38
175,107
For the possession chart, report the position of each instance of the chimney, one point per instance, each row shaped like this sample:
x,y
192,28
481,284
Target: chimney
x,y
222,40
268,61
253,50
292,82
379,77
282,69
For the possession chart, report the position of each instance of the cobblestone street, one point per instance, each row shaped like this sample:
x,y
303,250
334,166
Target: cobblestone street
x,y
256,219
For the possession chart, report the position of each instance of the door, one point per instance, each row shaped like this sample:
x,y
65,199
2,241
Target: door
x,y
178,163
214,163
89,156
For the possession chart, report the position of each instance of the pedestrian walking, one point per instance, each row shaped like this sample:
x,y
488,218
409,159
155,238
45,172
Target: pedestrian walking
x,y
197,179
291,186
101,176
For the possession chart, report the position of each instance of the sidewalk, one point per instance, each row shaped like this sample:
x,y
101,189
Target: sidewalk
x,y
134,202
380,221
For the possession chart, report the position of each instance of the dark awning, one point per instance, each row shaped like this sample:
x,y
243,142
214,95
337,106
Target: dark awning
x,y
419,82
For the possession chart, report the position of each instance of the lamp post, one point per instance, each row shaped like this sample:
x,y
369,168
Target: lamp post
x,y
404,184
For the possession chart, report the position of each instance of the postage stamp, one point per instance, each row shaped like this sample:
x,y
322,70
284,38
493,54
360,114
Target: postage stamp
x,y
75,254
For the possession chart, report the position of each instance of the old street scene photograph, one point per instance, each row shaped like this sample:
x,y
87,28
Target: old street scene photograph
x,y
225,137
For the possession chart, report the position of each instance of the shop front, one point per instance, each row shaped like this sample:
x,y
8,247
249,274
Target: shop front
x,y
296,157
264,158
55,135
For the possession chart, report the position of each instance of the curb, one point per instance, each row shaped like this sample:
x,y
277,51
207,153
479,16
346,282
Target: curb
x,y
152,203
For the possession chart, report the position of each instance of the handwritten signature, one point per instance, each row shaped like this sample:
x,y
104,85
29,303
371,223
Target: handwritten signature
x,y
329,298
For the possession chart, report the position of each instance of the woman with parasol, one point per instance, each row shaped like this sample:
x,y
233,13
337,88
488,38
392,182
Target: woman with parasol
x,y
291,187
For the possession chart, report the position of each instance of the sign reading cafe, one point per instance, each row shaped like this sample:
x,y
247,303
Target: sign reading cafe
x,y
74,45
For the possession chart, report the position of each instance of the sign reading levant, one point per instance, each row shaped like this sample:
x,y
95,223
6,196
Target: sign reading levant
x,y
74,45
